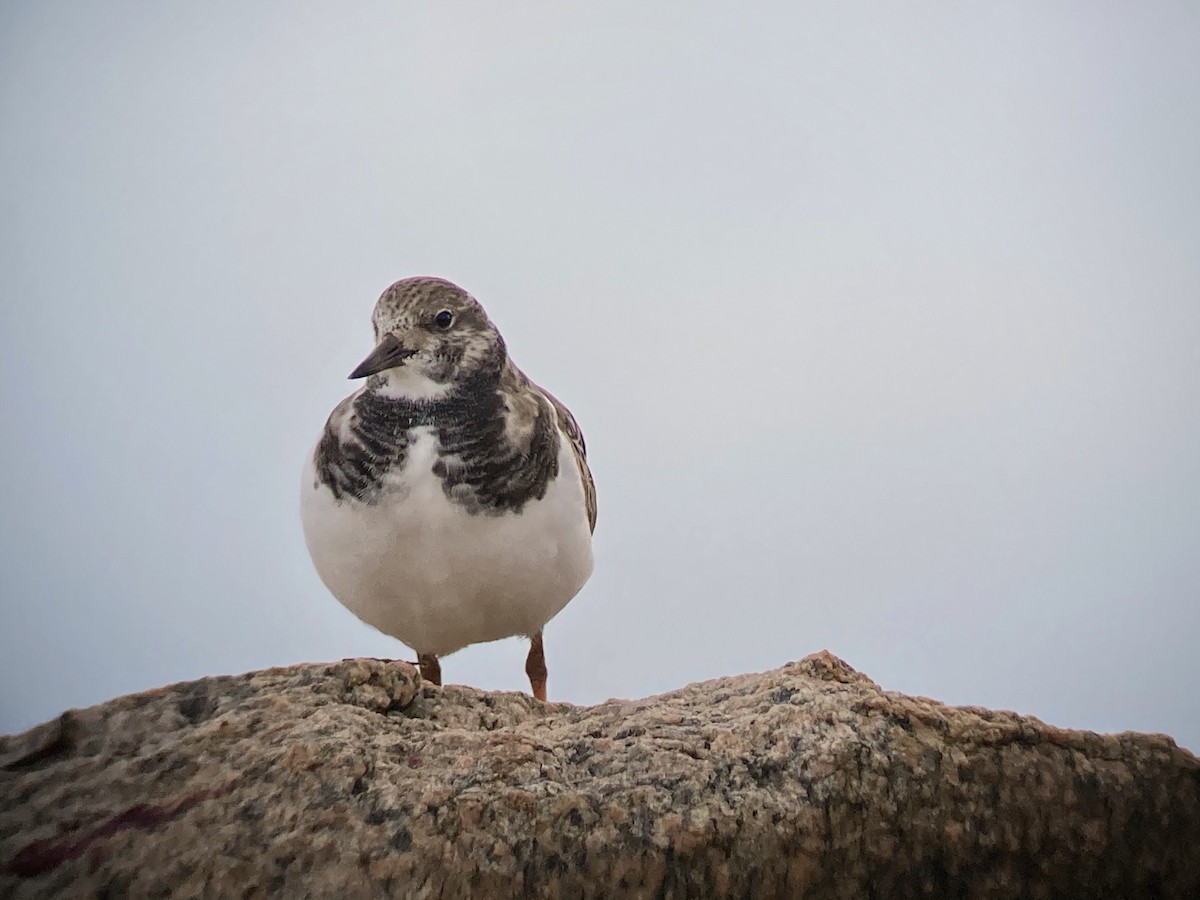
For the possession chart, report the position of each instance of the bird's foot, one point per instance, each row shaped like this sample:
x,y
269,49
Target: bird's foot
x,y
431,669
535,667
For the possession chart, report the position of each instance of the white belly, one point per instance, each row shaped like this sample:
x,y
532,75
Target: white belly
x,y
424,570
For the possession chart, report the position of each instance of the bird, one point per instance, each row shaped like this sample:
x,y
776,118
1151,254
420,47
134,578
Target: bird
x,y
448,501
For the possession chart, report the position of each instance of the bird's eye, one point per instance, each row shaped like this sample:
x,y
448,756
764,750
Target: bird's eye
x,y
444,319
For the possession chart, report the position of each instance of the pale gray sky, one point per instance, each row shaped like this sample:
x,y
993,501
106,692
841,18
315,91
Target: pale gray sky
x,y
882,322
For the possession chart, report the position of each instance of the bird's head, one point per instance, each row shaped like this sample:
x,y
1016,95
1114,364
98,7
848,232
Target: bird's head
x,y
430,334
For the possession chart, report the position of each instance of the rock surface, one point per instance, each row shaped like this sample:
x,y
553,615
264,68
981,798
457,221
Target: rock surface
x,y
355,780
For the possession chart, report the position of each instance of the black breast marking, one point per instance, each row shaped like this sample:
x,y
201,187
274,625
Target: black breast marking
x,y
380,432
479,466
485,471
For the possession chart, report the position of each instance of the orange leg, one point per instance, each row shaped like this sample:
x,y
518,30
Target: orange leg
x,y
431,669
535,667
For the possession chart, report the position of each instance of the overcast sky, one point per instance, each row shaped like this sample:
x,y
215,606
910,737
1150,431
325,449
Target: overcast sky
x,y
882,323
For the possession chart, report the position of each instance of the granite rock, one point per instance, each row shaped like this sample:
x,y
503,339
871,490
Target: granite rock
x,y
355,780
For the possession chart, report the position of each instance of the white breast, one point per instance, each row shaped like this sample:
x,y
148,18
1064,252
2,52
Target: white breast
x,y
424,570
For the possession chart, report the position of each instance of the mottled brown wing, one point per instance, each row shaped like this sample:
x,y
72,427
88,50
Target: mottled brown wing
x,y
570,427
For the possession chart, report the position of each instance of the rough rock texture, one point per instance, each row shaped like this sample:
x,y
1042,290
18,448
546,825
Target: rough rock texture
x,y
354,780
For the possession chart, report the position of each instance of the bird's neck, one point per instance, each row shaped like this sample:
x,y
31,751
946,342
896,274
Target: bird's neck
x,y
421,399
404,384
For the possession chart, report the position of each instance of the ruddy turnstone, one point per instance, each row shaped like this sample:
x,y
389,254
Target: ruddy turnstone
x,y
448,501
